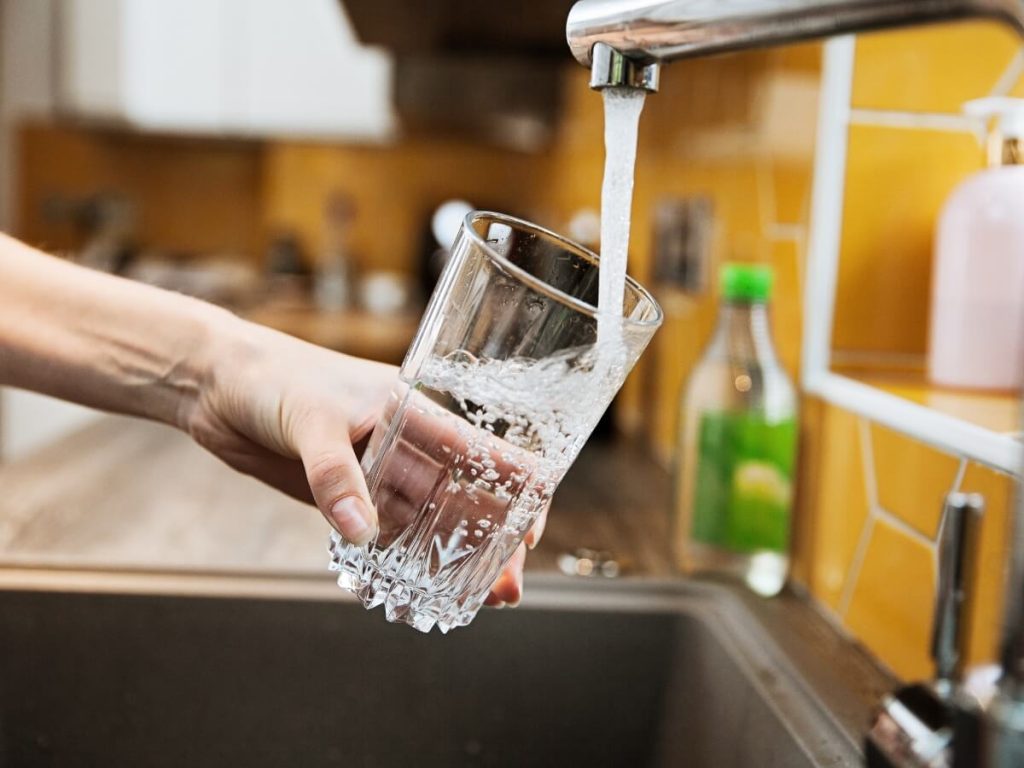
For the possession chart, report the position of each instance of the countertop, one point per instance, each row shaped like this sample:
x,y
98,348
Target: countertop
x,y
128,494
352,331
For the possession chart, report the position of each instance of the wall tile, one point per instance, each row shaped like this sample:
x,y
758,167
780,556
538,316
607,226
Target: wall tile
x,y
840,503
892,604
791,185
804,546
671,356
931,69
896,184
912,478
803,57
787,305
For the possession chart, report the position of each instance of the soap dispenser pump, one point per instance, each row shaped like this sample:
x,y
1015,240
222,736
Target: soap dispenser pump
x,y
977,310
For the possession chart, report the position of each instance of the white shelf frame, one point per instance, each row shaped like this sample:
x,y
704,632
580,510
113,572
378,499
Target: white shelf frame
x,y
1003,452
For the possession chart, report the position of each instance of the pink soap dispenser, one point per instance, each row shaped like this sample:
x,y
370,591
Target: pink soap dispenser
x,y
977,310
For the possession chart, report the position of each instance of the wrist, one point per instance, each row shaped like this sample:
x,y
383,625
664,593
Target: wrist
x,y
215,341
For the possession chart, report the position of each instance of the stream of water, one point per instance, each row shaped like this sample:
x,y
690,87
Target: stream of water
x,y
622,107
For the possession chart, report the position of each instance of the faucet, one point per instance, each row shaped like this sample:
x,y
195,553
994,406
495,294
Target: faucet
x,y
625,43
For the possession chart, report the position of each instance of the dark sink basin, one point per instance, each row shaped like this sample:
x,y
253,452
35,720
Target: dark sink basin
x,y
579,676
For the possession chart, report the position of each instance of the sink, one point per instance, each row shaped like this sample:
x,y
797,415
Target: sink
x,y
583,674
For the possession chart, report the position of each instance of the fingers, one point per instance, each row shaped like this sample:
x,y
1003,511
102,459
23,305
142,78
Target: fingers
x,y
533,535
336,479
508,589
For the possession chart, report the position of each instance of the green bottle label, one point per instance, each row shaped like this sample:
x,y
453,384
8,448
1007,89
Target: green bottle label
x,y
744,481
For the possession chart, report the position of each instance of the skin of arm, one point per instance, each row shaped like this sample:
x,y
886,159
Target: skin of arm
x,y
289,413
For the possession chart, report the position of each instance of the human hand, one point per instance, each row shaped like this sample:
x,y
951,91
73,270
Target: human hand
x,y
297,416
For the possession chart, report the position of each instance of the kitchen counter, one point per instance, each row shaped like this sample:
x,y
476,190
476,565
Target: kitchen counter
x,y
352,331
127,494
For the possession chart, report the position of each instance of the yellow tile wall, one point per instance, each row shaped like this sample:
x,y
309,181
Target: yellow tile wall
x,y
394,188
872,515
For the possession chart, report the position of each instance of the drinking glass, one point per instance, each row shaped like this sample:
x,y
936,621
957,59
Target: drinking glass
x,y
500,389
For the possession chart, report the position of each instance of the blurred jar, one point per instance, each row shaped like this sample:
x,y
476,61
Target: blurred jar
x,y
332,282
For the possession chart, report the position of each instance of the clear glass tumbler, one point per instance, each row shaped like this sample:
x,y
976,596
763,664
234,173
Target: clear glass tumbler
x,y
498,392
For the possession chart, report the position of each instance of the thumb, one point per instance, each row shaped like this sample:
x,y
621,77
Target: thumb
x,y
337,482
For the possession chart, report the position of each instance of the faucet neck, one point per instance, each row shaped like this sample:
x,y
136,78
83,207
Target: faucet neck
x,y
652,30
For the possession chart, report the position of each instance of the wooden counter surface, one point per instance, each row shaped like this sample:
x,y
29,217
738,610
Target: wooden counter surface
x,y
352,331
129,494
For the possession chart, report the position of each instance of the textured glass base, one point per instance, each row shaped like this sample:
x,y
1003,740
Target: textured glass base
x,y
406,600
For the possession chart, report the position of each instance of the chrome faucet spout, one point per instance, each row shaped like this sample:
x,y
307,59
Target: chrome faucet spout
x,y
611,69
648,31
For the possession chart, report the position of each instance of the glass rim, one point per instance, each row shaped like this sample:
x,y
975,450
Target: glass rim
x,y
540,285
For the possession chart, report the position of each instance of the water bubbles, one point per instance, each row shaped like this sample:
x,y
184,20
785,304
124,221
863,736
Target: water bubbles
x,y
461,357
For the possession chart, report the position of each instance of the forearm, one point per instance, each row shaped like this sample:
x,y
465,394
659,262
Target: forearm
x,y
99,340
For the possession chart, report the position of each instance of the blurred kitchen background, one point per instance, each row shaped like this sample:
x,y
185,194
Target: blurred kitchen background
x,y
288,160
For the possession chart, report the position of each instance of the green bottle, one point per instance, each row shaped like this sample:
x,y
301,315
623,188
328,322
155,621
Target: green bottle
x,y
736,454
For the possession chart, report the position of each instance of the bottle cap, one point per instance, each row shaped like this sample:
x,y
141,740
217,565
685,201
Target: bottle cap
x,y
746,282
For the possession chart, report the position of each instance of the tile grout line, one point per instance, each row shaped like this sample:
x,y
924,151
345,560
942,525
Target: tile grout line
x,y
1014,71
856,564
785,232
871,493
904,527
933,121
867,457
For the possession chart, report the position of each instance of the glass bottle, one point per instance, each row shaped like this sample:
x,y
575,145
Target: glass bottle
x,y
736,451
